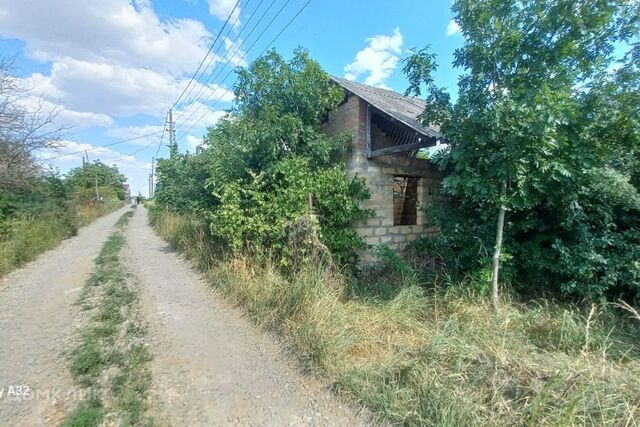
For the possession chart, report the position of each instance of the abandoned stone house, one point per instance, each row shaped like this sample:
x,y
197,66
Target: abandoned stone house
x,y
386,137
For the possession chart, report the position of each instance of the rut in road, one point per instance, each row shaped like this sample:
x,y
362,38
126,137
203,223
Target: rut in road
x,y
37,322
210,365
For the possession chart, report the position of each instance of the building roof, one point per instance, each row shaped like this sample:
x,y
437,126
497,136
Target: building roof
x,y
405,109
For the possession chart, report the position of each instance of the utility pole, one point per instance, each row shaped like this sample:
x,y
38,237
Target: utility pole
x,y
97,191
152,181
85,165
173,146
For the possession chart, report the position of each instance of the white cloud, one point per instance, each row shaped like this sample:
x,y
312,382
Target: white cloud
x,y
129,33
81,119
221,9
198,117
453,28
62,116
237,56
193,142
105,89
110,58
136,171
378,60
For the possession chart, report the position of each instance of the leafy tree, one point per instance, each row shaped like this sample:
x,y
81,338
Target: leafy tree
x,y
180,186
82,182
259,164
529,134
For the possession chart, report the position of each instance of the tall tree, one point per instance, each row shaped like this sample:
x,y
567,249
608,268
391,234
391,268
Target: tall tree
x,y
515,129
23,131
252,178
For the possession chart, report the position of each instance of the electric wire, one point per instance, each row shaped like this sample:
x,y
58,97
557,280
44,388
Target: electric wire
x,y
211,59
217,66
207,54
104,145
248,50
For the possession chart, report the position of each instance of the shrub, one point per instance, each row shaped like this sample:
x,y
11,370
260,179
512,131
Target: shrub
x,y
253,177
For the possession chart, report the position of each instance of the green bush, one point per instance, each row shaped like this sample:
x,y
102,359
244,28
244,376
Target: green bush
x,y
252,179
27,237
258,214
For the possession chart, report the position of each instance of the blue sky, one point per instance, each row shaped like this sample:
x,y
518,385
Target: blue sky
x,y
111,69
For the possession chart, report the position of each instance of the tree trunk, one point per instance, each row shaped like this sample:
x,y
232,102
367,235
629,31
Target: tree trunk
x,y
495,298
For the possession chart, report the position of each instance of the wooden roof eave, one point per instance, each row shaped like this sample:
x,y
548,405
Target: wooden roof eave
x,y
431,138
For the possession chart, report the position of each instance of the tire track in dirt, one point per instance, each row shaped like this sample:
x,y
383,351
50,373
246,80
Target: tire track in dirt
x,y
211,366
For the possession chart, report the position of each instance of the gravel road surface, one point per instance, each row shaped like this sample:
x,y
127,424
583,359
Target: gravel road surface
x,y
211,365
37,320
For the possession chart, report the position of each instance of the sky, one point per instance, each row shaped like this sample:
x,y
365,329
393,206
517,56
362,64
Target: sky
x,y
111,69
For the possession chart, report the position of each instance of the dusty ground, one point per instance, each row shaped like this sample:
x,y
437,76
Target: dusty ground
x,y
211,365
37,318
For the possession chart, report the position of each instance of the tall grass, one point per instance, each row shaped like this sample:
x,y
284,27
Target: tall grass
x,y
426,357
86,214
26,237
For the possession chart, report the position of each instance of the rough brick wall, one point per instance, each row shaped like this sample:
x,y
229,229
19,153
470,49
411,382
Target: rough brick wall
x,y
378,173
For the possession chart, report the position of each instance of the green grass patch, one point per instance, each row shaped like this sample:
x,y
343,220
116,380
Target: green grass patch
x,y
110,358
417,355
89,413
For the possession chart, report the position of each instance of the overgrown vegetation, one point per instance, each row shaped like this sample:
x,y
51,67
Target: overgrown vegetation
x,y
110,358
25,236
259,165
544,132
38,207
435,356
543,150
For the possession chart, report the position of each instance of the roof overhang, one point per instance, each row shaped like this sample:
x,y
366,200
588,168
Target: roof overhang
x,y
402,111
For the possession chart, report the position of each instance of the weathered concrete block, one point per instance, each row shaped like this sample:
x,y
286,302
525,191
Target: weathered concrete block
x,y
372,240
381,231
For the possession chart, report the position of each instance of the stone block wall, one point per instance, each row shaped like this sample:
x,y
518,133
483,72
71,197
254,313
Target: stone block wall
x,y
379,175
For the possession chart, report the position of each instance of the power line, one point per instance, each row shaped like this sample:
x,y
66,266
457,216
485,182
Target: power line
x,y
164,127
104,146
141,149
239,48
174,104
206,55
248,50
236,52
215,68
285,27
216,52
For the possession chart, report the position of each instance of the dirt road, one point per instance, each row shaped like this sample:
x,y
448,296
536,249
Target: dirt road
x,y
210,365
37,320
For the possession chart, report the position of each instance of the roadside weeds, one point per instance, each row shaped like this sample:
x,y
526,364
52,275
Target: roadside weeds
x,y
419,356
110,358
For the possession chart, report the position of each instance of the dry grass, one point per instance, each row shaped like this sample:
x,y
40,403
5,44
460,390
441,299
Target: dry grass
x,y
437,358
88,213
28,236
